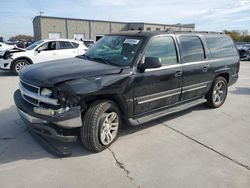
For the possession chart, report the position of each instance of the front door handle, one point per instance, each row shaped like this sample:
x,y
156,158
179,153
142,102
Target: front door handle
x,y
178,73
205,68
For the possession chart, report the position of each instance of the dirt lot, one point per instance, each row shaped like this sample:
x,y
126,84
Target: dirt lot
x,y
199,147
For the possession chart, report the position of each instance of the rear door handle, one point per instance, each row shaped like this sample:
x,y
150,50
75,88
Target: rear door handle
x,y
178,73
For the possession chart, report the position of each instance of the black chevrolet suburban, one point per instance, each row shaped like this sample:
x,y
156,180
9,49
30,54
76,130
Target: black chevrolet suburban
x,y
126,78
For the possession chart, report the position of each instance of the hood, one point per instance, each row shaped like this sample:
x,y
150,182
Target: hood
x,y
53,72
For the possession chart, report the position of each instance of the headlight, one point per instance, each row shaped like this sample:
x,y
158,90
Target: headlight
x,y
46,92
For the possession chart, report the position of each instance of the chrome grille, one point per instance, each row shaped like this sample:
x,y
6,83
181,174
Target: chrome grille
x,y
32,94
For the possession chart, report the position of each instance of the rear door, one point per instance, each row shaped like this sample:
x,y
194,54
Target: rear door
x,y
66,49
159,87
195,65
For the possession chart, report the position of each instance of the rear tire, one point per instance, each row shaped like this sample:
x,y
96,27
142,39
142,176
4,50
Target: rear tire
x,y
218,93
19,64
100,125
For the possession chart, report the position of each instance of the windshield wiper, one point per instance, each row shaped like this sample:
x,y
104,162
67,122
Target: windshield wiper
x,y
98,59
86,57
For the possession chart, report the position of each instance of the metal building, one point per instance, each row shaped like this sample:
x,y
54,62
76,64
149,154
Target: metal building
x,y
54,27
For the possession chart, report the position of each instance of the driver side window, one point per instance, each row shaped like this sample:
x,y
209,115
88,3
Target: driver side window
x,y
164,48
48,46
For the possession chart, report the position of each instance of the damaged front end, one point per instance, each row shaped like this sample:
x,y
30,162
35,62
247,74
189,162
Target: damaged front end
x,y
48,112
7,58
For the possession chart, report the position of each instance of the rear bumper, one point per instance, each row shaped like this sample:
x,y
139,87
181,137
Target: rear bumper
x,y
61,127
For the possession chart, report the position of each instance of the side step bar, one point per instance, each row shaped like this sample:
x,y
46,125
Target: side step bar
x,y
167,111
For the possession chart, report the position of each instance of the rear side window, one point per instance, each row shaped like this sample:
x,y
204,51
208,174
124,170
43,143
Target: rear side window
x,y
65,45
191,49
163,47
220,46
75,44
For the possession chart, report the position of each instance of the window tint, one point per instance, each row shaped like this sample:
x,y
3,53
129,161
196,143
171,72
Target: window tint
x,y
191,49
75,44
220,46
48,46
163,47
65,45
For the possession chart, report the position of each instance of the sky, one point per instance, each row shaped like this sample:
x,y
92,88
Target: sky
x,y
210,15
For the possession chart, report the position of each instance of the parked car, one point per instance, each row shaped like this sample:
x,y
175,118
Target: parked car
x,y
244,51
88,43
244,54
4,47
126,78
41,51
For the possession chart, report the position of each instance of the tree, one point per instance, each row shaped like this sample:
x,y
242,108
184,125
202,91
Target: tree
x,y
25,38
237,37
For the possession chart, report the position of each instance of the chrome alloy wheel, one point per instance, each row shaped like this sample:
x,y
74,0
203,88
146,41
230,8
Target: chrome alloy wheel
x,y
19,65
219,93
109,125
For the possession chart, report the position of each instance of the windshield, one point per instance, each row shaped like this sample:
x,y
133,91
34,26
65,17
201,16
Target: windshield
x,y
35,44
115,50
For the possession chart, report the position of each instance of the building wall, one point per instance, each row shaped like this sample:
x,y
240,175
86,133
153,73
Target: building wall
x,y
99,28
153,27
37,28
116,27
78,27
135,26
50,25
68,27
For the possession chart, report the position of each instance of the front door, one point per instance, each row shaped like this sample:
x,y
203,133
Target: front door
x,y
160,87
46,52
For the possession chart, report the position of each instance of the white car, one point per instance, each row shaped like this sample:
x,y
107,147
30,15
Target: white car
x,y
4,47
41,51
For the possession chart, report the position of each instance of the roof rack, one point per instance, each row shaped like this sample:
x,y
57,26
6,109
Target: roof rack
x,y
170,30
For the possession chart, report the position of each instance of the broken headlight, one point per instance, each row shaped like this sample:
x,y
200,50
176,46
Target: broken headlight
x,y
46,92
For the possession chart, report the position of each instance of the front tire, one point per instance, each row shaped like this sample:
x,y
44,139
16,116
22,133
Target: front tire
x,y
218,93
19,64
100,127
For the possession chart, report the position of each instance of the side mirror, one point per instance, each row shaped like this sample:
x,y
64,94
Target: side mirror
x,y
150,63
39,50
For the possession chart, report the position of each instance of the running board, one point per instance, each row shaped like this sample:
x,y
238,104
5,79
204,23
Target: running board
x,y
169,110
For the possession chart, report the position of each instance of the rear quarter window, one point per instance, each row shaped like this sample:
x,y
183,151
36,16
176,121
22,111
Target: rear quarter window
x,y
75,44
221,46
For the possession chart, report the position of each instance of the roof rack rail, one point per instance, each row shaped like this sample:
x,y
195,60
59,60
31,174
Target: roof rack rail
x,y
170,30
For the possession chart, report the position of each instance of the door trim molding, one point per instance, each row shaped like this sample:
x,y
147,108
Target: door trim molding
x,y
158,96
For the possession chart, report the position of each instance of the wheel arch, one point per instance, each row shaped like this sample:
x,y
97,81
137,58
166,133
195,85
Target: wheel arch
x,y
117,99
19,58
224,75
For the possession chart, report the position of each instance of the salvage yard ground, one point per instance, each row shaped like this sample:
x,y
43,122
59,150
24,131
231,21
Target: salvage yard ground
x,y
200,147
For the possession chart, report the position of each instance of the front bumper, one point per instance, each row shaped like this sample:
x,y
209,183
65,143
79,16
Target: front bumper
x,y
5,64
60,127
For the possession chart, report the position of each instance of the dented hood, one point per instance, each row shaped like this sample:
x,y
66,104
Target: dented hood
x,y
54,72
